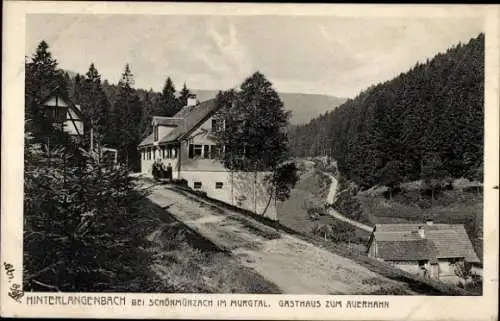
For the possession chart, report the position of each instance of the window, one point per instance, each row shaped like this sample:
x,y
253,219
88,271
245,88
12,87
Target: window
x,y
214,126
452,262
218,185
206,151
214,152
195,151
155,132
149,153
197,185
56,114
61,114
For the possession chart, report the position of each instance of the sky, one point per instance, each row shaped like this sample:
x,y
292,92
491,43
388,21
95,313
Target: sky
x,y
338,56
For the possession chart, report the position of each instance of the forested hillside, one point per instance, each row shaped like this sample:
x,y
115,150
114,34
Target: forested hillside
x,y
425,123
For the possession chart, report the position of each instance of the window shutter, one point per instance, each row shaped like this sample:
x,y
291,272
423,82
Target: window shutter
x,y
191,151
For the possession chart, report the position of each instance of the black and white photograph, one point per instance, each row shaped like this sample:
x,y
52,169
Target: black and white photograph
x,y
252,154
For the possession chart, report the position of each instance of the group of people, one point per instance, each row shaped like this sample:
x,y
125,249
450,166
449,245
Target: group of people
x,y
160,171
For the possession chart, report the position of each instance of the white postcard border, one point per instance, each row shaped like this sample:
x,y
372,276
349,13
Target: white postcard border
x,y
414,307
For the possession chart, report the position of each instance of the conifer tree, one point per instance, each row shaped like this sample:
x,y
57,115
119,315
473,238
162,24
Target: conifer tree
x,y
41,79
95,106
126,119
184,95
169,103
148,111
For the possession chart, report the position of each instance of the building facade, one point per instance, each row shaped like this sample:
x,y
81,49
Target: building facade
x,y
186,143
430,250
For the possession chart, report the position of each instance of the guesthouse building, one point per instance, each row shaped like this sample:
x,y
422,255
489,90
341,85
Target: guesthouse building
x,y
186,143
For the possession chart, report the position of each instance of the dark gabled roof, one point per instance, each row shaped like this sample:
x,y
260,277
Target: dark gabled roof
x,y
445,241
412,227
193,116
146,141
453,243
185,121
396,236
69,102
414,250
167,121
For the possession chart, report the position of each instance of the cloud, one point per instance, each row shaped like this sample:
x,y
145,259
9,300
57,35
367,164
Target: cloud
x,y
332,55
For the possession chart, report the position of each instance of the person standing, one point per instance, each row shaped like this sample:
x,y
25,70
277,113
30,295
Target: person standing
x,y
169,172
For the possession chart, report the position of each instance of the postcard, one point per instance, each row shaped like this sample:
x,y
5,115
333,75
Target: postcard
x,y
250,161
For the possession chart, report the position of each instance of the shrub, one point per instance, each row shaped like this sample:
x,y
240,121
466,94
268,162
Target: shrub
x,y
77,226
181,182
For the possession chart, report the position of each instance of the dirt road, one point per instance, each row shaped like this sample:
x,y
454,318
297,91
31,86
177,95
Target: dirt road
x,y
337,215
296,266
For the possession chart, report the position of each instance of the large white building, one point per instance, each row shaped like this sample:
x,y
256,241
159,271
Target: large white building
x,y
186,142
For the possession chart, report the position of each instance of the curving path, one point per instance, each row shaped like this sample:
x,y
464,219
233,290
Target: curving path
x,y
330,199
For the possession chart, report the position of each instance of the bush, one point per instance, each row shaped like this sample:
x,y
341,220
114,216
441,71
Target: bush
x,y
342,232
77,226
180,182
348,205
336,231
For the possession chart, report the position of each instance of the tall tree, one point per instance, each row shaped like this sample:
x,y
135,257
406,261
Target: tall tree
x,y
95,106
148,111
42,78
184,95
126,119
254,134
169,103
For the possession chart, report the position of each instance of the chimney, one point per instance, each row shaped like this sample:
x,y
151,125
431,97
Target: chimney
x,y
421,232
429,222
192,101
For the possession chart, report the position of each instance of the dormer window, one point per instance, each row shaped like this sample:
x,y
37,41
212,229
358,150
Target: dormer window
x,y
218,125
155,132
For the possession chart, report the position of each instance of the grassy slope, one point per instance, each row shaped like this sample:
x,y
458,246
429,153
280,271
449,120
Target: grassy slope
x,y
311,191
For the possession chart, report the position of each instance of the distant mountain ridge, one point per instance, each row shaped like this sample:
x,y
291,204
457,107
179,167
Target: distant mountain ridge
x,y
304,107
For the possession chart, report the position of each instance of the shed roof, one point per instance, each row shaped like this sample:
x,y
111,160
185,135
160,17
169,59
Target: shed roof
x,y
414,250
443,241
